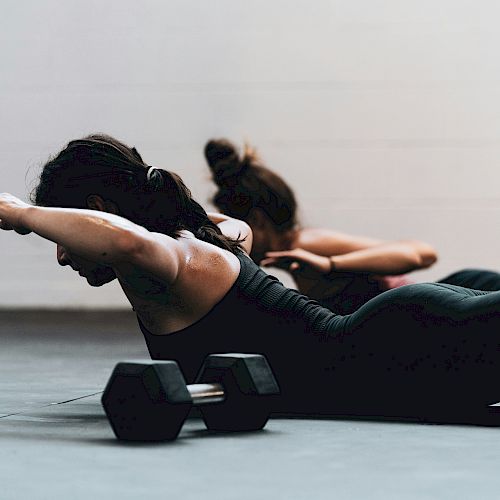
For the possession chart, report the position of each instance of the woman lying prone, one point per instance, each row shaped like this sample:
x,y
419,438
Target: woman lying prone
x,y
195,291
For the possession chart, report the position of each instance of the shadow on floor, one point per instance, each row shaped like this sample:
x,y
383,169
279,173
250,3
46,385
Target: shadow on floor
x,y
489,416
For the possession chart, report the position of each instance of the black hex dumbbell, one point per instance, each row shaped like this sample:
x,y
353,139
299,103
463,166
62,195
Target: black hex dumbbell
x,y
151,401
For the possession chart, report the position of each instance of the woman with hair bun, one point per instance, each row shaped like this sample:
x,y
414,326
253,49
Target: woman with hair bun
x,y
339,270
415,350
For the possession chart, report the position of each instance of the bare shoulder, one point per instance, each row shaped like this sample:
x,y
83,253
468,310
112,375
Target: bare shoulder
x,y
323,241
205,273
203,261
185,256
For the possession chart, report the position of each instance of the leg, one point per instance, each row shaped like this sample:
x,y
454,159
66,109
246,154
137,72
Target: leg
x,y
424,346
478,279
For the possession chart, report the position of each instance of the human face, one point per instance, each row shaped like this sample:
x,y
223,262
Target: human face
x,y
95,274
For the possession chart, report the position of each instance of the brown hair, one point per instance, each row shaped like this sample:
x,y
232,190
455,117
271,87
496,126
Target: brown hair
x,y
245,183
151,197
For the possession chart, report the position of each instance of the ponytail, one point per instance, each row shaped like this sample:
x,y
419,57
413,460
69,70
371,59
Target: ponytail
x,y
146,195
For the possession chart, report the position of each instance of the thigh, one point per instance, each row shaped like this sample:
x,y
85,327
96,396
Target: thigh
x,y
479,279
425,344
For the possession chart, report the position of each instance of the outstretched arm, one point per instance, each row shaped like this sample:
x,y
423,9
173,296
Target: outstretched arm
x,y
97,236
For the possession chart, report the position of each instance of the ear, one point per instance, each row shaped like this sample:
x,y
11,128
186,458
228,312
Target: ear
x,y
95,202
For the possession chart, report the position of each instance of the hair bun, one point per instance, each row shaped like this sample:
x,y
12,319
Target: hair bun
x,y
223,159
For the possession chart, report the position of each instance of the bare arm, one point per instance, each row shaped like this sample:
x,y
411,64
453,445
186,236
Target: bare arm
x,y
360,254
97,236
387,258
233,228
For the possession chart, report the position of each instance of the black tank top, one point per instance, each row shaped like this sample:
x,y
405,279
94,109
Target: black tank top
x,y
257,315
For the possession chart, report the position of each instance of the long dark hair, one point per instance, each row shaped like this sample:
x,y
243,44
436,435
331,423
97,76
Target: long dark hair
x,y
245,183
151,197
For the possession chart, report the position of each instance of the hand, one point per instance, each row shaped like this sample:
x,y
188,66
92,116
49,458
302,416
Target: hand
x,y
299,261
311,272
11,209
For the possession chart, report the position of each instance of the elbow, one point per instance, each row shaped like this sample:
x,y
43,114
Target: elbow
x,y
423,254
413,261
428,259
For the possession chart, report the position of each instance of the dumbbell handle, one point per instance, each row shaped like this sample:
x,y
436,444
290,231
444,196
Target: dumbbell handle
x,y
206,393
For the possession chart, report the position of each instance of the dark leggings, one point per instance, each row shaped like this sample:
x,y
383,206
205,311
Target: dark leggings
x,y
433,345
477,279
361,288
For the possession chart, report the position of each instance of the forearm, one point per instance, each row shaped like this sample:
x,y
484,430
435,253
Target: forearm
x,y
395,258
97,236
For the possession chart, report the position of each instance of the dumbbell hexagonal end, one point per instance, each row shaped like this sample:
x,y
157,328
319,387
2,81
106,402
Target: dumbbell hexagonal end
x,y
146,401
250,390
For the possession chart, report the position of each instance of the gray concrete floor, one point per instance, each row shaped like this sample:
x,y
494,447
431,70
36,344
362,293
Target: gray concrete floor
x,y
56,446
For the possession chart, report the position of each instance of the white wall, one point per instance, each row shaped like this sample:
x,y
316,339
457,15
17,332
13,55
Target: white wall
x,y
383,114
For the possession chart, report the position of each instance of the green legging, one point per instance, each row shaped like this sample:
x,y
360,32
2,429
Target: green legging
x,y
432,345
361,288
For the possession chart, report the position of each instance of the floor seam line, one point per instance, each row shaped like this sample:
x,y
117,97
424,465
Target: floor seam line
x,y
50,404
